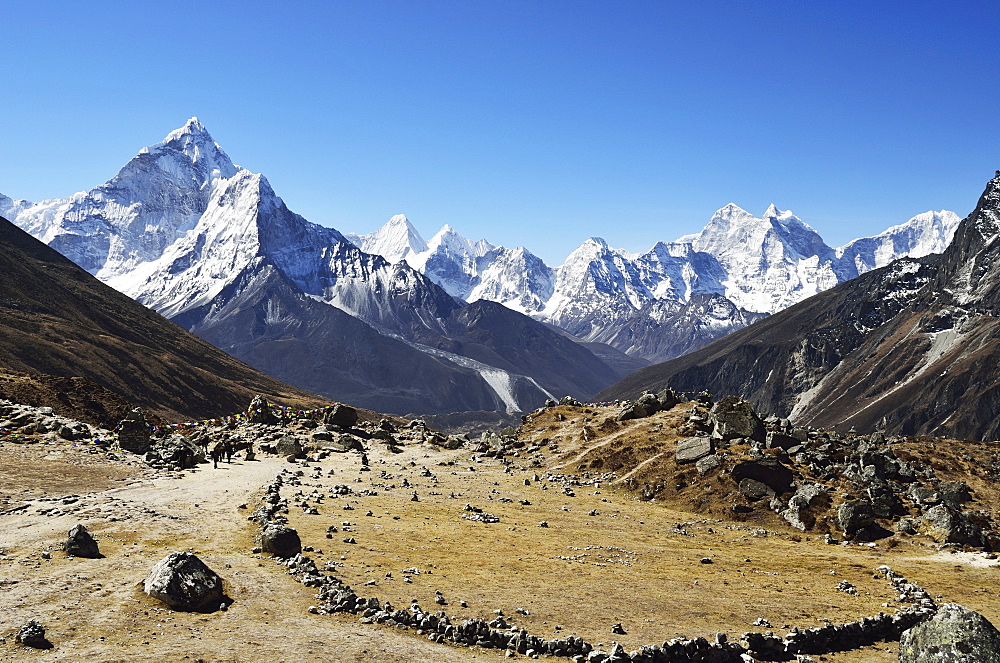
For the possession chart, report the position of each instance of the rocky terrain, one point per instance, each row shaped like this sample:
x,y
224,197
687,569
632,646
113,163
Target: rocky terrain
x,y
665,529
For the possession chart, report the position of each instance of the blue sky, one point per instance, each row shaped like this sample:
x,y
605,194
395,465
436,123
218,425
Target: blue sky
x,y
527,123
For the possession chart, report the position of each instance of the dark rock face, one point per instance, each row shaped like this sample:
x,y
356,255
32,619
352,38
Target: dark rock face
x,y
81,544
881,332
768,471
183,582
280,541
341,415
733,418
955,634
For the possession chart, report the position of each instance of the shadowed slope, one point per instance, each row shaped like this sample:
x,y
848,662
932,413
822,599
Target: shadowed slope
x,y
911,348
57,319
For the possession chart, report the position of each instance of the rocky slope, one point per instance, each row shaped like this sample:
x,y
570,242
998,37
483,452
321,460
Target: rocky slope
x,y
60,321
909,348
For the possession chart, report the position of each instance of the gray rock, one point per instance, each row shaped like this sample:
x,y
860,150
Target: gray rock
x,y
923,497
954,493
798,514
32,634
692,449
732,418
708,463
766,470
175,451
650,402
781,441
489,438
183,582
953,635
667,399
80,543
289,445
280,541
755,490
854,516
633,411
341,415
340,442
947,525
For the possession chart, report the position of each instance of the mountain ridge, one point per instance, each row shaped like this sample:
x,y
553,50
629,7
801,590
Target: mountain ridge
x,y
909,348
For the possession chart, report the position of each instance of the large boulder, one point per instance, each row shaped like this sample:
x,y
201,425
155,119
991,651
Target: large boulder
x,y
338,442
134,432
802,505
175,451
341,415
731,418
280,541
947,525
667,399
289,445
954,635
755,490
649,402
184,582
693,449
768,471
854,516
633,411
80,543
954,493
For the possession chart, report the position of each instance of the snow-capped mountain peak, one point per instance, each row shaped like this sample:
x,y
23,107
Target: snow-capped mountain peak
x,y
926,233
193,142
396,240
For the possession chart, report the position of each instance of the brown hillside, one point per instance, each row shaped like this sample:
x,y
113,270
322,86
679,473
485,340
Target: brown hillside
x,y
58,320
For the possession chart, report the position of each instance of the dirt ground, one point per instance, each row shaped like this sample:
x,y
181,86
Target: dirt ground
x,y
605,557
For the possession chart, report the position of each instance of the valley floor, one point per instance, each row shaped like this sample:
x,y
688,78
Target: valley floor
x,y
604,558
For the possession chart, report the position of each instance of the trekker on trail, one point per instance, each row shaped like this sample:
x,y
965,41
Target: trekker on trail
x,y
217,452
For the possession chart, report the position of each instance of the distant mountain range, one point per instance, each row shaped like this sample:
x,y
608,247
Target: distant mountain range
x,y
909,348
395,323
676,297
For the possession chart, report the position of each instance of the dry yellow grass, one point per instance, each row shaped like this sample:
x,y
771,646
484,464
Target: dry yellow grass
x,y
635,562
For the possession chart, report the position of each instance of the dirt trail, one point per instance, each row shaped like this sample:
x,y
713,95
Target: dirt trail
x,y
94,609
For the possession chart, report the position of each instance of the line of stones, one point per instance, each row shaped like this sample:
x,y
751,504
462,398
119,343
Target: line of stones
x,y
497,634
